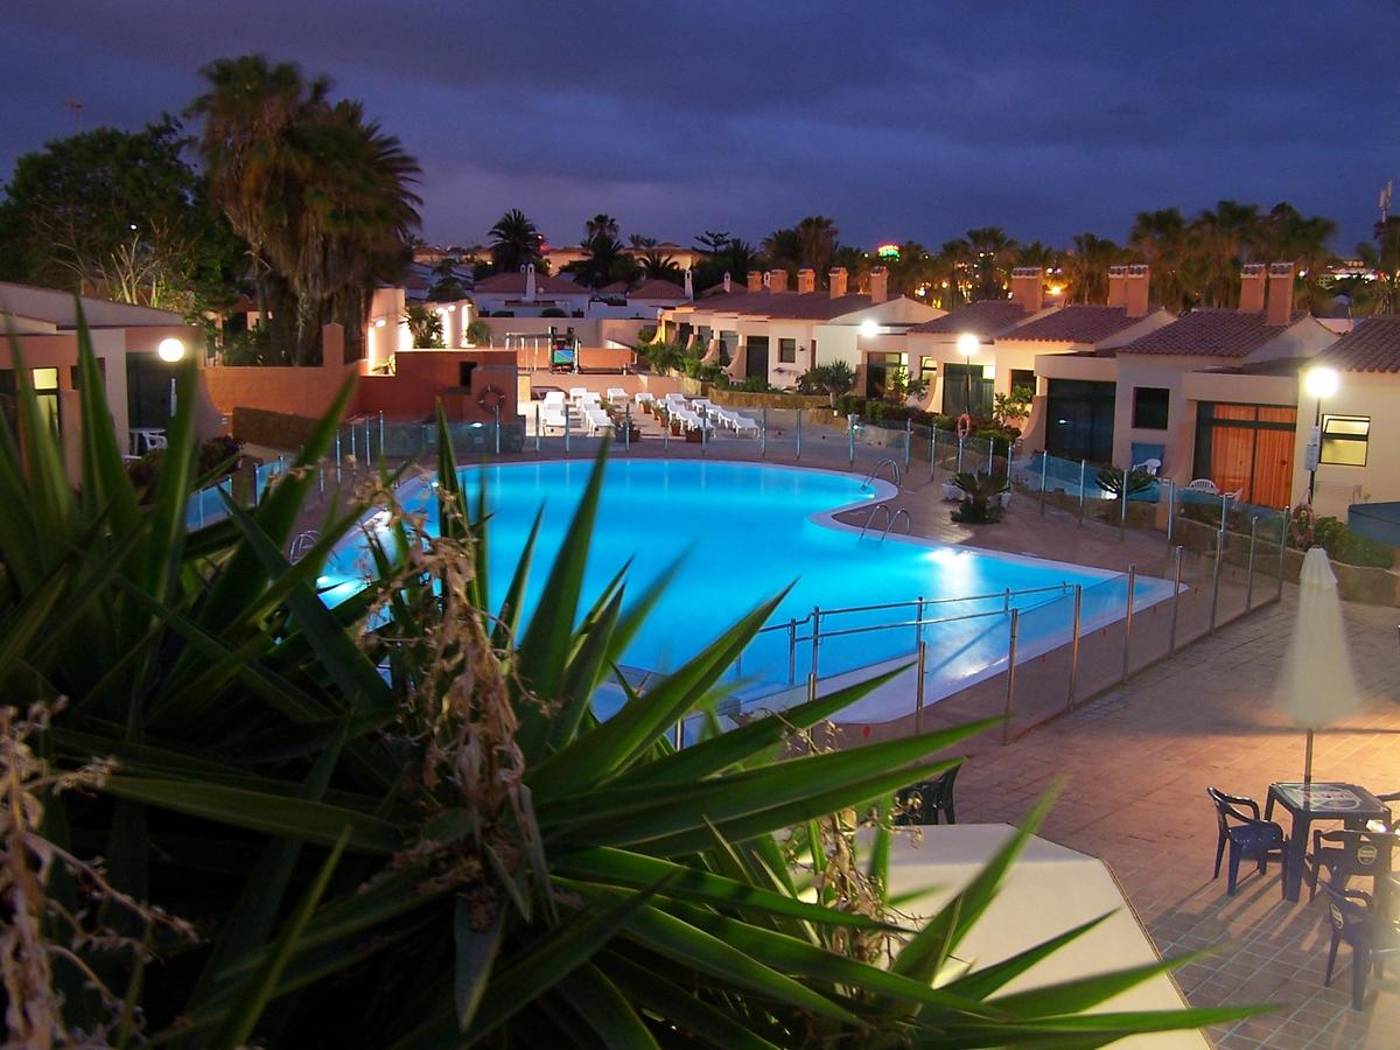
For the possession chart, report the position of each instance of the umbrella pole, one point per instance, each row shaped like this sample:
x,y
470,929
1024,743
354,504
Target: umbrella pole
x,y
1307,761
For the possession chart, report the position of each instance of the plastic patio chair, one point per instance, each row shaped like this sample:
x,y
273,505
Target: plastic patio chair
x,y
921,803
1249,838
1353,853
1372,934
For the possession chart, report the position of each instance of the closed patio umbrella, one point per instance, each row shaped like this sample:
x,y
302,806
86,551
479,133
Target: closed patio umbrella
x,y
1317,687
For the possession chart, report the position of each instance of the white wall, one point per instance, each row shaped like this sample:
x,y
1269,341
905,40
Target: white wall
x,y
1373,394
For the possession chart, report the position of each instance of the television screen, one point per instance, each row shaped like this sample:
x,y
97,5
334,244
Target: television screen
x,y
562,357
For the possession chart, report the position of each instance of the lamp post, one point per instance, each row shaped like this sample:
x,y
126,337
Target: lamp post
x,y
172,352
968,345
1320,383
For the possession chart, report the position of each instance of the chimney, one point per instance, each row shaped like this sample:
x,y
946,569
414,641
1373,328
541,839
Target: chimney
x,y
755,281
777,280
879,284
690,283
1252,289
728,282
836,278
806,281
1280,308
1137,291
1117,286
530,283
1028,288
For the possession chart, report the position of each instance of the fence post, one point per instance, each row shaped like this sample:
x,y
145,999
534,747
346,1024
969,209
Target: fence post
x,y
1171,511
369,454
381,433
919,688
538,430
1010,457
816,637
568,426
1083,465
1010,676
352,441
1044,469
680,733
763,436
497,412
1282,546
800,414
1215,580
1176,600
919,621
960,453
1123,510
1128,623
792,650
337,458
908,440
1074,644
666,433
627,427
932,453
851,438
704,430
1249,580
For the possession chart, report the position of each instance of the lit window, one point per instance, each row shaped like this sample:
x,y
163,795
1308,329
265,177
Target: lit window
x,y
45,379
1344,440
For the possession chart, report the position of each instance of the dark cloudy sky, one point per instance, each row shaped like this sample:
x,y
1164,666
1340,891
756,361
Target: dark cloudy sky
x,y
905,119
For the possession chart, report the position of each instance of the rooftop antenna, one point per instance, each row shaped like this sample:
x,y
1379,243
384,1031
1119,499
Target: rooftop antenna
x,y
1387,191
76,106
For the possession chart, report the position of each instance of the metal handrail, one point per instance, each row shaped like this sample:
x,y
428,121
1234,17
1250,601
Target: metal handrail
x,y
871,517
908,523
999,596
886,462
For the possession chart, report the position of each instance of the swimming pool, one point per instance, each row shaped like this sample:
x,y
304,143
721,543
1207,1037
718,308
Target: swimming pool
x,y
743,532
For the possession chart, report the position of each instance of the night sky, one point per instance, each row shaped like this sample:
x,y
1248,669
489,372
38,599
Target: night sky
x,y
900,120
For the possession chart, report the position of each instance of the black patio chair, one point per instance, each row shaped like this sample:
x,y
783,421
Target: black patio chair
x,y
1372,934
921,803
1346,852
1394,796
1249,837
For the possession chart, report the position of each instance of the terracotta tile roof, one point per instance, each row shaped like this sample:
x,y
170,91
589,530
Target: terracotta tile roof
x,y
814,306
650,288
1075,324
1372,346
985,319
514,284
1209,333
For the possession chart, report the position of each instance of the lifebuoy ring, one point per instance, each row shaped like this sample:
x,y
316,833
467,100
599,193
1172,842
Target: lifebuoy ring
x,y
495,393
964,425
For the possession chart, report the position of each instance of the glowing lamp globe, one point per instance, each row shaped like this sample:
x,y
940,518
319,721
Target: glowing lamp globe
x,y
170,350
869,329
968,344
1321,382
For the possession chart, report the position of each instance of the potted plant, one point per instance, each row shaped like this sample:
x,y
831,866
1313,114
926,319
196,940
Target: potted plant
x,y
983,499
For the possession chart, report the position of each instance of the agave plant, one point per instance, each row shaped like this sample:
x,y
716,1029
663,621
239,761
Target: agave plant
x,y
981,498
398,822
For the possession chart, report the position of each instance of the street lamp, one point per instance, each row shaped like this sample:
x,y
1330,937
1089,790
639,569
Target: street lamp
x,y
968,345
1320,382
171,351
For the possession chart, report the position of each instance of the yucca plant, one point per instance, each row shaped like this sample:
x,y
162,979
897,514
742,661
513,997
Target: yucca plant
x,y
398,822
980,501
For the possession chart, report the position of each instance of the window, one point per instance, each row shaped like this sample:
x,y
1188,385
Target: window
x,y
966,389
928,369
1150,405
1023,379
1344,440
1079,421
787,351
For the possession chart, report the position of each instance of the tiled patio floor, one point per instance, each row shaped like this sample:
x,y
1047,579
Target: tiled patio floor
x,y
1135,765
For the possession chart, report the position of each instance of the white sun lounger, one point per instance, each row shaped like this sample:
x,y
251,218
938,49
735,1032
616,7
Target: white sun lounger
x,y
616,394
576,393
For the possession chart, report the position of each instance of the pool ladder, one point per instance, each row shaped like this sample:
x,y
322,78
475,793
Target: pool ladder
x,y
891,517
894,473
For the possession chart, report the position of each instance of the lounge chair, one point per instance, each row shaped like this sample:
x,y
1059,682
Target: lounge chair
x,y
616,395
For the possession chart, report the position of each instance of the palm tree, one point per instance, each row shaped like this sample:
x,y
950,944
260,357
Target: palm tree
x,y
1218,244
321,195
601,225
911,270
636,240
783,249
817,236
1287,234
994,252
1159,240
1381,294
658,265
953,275
515,242
1086,268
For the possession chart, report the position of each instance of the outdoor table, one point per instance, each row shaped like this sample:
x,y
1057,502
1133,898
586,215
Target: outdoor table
x,y
1320,800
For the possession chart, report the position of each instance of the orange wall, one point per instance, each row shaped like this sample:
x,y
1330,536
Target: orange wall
x,y
423,376
600,357
296,391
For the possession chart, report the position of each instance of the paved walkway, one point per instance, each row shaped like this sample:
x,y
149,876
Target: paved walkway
x,y
1135,765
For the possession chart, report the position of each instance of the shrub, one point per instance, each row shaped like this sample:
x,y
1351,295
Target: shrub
x,y
980,505
217,459
834,380
425,325
552,311
1349,547
1111,481
479,333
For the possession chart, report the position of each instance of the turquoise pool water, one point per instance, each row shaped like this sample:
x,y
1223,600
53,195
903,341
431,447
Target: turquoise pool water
x,y
744,531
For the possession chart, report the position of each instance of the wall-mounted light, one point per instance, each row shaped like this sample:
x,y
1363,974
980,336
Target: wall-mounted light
x,y
170,350
870,329
379,322
968,344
